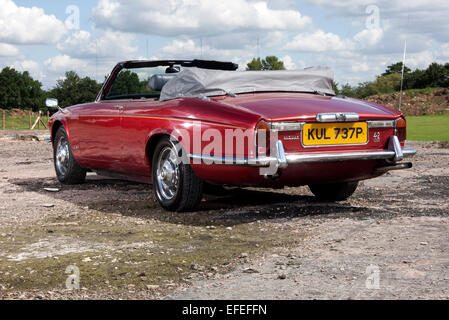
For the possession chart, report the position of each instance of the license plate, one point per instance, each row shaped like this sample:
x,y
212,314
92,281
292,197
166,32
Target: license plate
x,y
331,134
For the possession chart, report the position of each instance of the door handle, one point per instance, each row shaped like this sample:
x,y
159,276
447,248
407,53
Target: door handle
x,y
119,107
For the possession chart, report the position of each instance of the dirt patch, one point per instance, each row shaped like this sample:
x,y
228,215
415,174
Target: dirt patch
x,y
444,145
18,112
417,103
276,243
337,261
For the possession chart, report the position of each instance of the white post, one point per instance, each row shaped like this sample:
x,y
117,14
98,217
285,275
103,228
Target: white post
x,y
402,79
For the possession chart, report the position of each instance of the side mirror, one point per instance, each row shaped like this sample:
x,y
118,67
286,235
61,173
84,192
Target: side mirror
x,y
52,103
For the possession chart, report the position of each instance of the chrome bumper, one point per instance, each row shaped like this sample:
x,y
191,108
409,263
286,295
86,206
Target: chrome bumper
x,y
395,153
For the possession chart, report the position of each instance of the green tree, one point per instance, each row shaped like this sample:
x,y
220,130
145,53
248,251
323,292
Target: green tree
x,y
445,80
254,65
127,82
75,90
382,85
365,89
269,63
337,88
20,90
348,91
396,68
435,75
387,84
415,80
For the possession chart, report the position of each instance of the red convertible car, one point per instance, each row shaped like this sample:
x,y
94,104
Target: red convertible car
x,y
182,125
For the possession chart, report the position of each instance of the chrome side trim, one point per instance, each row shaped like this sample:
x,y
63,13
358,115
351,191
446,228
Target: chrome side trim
x,y
337,117
252,162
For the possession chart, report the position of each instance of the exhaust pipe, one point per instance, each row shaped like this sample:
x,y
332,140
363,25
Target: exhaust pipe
x,y
400,166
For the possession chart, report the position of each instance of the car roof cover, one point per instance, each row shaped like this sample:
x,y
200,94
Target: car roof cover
x,y
197,83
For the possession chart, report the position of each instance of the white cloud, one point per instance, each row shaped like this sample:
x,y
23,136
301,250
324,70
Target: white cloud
x,y
31,66
108,44
78,43
26,65
403,17
195,17
63,63
360,67
444,52
245,40
229,30
319,41
7,50
91,54
369,37
20,25
180,47
420,60
288,63
190,49
386,6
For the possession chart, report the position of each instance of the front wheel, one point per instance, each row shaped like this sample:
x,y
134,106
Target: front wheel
x,y
67,169
176,186
334,192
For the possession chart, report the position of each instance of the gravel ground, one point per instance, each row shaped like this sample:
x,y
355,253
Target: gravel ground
x,y
389,241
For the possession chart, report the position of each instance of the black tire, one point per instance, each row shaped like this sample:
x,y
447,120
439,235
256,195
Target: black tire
x,y
334,192
189,188
67,171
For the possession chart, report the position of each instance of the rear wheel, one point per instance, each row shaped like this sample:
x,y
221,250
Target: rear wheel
x,y
334,192
67,170
176,186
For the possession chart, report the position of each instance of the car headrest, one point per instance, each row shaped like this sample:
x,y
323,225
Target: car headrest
x,y
158,81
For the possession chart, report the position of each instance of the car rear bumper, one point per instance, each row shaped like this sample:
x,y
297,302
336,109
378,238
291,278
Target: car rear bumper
x,y
394,154
330,157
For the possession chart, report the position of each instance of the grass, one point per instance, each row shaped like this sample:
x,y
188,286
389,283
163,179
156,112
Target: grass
x,y
413,92
428,128
20,122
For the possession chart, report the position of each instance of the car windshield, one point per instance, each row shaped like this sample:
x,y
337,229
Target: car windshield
x,y
140,83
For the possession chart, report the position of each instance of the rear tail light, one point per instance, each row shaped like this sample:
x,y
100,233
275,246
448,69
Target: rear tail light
x,y
263,138
401,129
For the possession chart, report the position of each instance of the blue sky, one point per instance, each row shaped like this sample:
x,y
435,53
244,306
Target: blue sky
x,y
358,39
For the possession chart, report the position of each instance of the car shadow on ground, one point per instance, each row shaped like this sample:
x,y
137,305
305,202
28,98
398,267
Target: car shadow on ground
x,y
225,207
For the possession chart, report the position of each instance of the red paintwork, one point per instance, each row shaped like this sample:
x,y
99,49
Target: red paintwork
x,y
104,138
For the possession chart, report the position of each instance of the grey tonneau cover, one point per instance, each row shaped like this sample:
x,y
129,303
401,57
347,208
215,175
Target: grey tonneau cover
x,y
196,83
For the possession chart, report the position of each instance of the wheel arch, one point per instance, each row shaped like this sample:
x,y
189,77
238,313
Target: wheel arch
x,y
58,123
151,145
153,139
55,127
